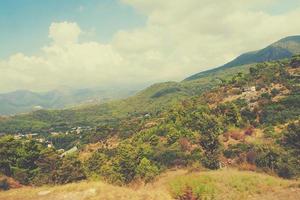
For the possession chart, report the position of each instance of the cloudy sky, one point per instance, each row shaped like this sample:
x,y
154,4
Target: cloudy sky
x,y
109,43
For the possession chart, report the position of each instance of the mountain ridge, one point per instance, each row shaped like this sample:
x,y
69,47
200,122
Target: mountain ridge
x,y
22,101
283,48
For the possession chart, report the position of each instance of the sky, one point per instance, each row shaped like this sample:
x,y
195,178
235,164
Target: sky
x,y
128,43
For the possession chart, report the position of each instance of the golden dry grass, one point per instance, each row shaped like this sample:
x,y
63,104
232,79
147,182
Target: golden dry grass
x,y
232,184
225,184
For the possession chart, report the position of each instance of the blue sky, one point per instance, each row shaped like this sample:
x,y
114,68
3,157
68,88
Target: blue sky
x,y
25,23
282,6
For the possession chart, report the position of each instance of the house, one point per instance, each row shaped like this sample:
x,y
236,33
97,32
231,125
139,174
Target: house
x,y
249,89
253,89
31,135
60,150
54,133
72,150
17,137
78,130
49,144
41,140
147,115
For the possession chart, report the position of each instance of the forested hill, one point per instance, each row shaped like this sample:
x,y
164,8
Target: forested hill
x,y
284,48
249,121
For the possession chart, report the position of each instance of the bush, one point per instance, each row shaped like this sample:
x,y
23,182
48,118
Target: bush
x,y
268,157
146,170
291,137
269,132
235,150
211,160
274,92
249,131
4,185
95,163
188,195
70,170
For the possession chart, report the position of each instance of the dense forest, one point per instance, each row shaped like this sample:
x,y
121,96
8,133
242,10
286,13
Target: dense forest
x,y
248,121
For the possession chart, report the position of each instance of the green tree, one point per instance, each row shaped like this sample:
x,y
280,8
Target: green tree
x,y
71,170
146,170
291,138
48,163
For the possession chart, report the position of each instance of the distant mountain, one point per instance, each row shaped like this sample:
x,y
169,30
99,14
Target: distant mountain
x,y
21,101
284,48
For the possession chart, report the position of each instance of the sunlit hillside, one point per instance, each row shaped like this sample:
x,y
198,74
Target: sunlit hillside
x,y
179,184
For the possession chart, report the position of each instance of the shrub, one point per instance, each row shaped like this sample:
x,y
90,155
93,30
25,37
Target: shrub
x,y
146,170
95,162
237,135
237,149
4,185
70,170
249,131
211,160
291,137
269,132
188,195
274,92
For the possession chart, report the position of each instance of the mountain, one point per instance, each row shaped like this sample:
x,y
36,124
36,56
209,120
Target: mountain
x,y
284,48
21,101
154,99
159,95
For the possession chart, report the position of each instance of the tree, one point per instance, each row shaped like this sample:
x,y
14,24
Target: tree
x,y
8,154
127,160
146,170
48,163
230,113
95,163
70,170
210,130
291,138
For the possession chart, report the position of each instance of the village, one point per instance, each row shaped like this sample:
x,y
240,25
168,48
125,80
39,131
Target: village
x,y
41,138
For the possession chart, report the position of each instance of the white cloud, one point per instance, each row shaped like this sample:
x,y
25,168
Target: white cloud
x,y
180,38
64,32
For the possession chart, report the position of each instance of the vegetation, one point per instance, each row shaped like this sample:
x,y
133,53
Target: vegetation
x,y
219,185
168,125
31,163
226,184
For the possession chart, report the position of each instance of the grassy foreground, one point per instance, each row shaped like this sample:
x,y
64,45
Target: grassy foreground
x,y
223,184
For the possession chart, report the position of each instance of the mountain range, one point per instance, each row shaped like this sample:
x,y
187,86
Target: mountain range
x,y
25,101
22,101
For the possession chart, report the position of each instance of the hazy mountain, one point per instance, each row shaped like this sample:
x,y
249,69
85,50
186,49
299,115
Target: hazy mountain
x,y
158,94
25,101
284,48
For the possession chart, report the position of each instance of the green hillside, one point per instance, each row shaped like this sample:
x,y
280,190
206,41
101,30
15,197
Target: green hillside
x,y
248,121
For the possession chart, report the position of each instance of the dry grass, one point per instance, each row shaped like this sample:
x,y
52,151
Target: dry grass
x,y
223,184
234,185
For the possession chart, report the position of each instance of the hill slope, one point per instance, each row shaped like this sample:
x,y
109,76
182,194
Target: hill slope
x,y
222,184
284,48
